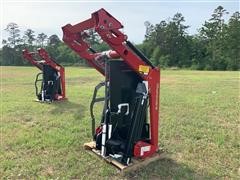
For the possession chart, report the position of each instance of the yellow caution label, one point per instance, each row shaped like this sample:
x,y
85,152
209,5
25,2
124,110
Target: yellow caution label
x,y
143,69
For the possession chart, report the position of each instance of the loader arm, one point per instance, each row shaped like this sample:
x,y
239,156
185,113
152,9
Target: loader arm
x,y
109,29
29,56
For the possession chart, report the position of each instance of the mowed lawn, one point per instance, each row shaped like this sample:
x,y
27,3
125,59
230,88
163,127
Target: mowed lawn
x,y
199,128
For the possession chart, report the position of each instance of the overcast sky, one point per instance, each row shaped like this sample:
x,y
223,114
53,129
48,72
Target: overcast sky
x,y
49,17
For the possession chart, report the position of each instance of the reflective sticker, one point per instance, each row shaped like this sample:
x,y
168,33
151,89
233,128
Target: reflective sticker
x,y
144,69
144,149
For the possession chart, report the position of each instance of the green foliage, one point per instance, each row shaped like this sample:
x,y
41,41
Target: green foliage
x,y
65,54
213,33
41,38
216,47
12,56
232,44
155,56
170,41
29,37
164,60
14,34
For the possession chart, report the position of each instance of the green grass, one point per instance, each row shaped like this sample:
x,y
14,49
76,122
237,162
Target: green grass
x,y
199,127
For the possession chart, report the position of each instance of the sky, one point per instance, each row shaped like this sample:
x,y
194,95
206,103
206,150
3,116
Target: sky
x,y
49,16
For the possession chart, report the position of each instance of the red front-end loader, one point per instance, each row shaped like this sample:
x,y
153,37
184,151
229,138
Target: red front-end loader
x,y
51,77
128,128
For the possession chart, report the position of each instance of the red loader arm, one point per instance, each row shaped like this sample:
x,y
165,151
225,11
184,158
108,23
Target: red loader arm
x,y
46,59
109,30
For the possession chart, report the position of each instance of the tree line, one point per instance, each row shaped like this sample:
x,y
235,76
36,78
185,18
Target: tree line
x,y
216,46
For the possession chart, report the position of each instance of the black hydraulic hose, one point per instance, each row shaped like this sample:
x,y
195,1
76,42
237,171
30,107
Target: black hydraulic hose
x,y
92,50
139,53
55,85
136,127
106,111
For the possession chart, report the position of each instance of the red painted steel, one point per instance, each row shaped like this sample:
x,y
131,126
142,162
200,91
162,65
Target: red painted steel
x,y
29,56
109,30
46,59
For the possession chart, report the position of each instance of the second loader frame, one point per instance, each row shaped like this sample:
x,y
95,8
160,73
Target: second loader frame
x,y
52,86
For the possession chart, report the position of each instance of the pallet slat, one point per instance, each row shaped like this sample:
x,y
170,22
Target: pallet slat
x,y
136,163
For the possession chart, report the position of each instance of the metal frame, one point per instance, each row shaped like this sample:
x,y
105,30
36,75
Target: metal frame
x,y
109,30
47,60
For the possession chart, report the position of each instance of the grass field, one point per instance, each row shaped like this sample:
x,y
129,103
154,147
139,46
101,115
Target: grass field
x,y
199,128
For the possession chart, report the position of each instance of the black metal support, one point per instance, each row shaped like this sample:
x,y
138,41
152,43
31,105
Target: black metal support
x,y
95,100
36,84
138,118
139,53
121,130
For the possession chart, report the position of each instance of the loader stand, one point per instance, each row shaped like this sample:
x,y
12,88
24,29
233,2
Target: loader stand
x,y
50,83
126,132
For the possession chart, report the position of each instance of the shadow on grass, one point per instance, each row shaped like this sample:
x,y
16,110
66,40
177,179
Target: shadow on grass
x,y
165,169
68,107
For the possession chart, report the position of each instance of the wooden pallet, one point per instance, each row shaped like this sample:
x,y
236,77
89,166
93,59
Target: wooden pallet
x,y
134,165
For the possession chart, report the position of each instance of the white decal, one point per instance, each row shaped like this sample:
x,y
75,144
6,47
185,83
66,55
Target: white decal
x,y
144,149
